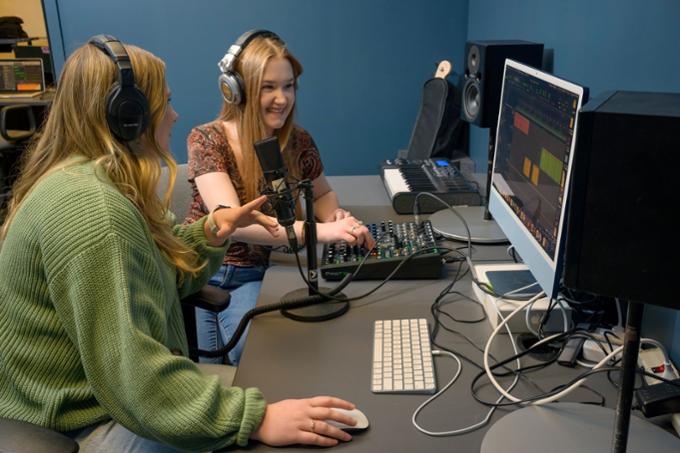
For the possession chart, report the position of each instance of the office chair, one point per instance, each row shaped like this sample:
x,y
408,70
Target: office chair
x,y
17,126
22,437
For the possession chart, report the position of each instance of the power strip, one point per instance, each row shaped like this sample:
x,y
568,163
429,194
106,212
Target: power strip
x,y
652,360
593,350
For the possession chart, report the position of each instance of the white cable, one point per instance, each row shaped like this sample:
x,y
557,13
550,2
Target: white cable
x,y
558,395
578,383
599,364
503,323
455,432
585,364
496,300
436,395
527,321
507,251
565,318
619,316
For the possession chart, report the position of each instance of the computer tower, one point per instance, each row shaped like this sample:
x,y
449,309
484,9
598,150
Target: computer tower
x,y
484,64
622,232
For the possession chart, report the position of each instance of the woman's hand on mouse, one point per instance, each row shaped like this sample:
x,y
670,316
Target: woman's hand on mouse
x,y
303,421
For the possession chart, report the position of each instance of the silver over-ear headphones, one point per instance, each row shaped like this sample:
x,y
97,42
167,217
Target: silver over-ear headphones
x,y
230,82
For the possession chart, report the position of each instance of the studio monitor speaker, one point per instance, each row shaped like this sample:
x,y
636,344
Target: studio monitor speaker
x,y
484,65
623,230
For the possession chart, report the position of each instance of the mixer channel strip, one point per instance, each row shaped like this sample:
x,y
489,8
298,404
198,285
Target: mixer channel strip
x,y
394,243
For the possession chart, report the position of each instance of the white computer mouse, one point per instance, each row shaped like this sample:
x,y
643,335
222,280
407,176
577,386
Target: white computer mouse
x,y
362,420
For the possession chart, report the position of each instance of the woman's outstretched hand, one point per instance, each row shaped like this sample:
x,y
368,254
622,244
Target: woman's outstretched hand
x,y
229,219
303,421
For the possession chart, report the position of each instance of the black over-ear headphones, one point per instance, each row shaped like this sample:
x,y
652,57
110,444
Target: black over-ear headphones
x,y
230,82
127,109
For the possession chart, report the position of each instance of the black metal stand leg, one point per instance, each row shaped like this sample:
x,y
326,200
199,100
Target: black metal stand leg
x,y
631,347
489,170
328,309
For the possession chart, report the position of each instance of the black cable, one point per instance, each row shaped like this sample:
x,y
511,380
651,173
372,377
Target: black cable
x,y
406,259
542,396
317,298
435,309
568,384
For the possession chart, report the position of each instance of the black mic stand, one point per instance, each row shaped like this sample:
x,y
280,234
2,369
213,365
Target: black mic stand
x,y
327,309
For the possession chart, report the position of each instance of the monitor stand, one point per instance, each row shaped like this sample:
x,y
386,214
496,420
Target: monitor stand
x,y
482,231
570,428
483,228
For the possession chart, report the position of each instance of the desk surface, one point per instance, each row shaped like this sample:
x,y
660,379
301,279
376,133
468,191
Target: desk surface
x,y
289,359
43,99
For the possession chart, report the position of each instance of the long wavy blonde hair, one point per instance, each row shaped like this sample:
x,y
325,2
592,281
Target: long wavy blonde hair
x,y
76,126
251,128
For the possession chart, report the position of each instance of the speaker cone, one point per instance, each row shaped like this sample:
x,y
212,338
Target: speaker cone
x,y
471,99
473,61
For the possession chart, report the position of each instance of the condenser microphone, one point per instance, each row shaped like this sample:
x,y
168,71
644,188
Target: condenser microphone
x,y
275,172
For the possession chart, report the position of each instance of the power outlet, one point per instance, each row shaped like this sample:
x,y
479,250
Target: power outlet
x,y
652,360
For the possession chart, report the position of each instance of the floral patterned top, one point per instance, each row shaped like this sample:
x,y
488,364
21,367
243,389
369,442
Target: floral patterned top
x,y
209,151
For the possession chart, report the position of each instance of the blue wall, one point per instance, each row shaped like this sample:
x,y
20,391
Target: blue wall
x,y
605,45
365,61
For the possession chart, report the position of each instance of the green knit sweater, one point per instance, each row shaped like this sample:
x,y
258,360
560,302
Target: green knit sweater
x,y
89,312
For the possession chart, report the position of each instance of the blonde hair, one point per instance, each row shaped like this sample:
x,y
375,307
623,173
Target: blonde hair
x,y
77,126
250,65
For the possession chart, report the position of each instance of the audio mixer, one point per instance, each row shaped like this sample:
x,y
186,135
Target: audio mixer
x,y
394,243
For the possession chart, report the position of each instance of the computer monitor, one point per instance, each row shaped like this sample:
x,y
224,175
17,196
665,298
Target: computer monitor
x,y
623,192
42,52
535,142
21,77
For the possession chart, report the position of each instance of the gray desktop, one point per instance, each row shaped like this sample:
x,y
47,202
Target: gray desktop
x,y
289,359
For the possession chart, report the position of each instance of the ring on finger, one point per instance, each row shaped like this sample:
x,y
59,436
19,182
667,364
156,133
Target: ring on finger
x,y
312,428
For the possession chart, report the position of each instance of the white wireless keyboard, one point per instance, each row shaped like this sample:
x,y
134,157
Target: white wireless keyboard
x,y
402,357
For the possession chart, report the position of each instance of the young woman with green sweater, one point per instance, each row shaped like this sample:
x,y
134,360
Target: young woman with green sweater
x,y
92,269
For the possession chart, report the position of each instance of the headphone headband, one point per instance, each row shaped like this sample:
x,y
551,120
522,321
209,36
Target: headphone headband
x,y
230,82
226,64
127,109
115,50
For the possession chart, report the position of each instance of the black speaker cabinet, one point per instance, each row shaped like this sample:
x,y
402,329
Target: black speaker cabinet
x,y
483,78
623,231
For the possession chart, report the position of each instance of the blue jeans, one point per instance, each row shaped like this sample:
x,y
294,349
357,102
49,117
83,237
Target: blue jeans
x,y
215,330
112,436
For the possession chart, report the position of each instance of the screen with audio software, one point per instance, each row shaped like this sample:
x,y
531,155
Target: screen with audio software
x,y
534,146
21,76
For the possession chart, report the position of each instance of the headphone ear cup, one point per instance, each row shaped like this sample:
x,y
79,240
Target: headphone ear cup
x,y
127,112
231,87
